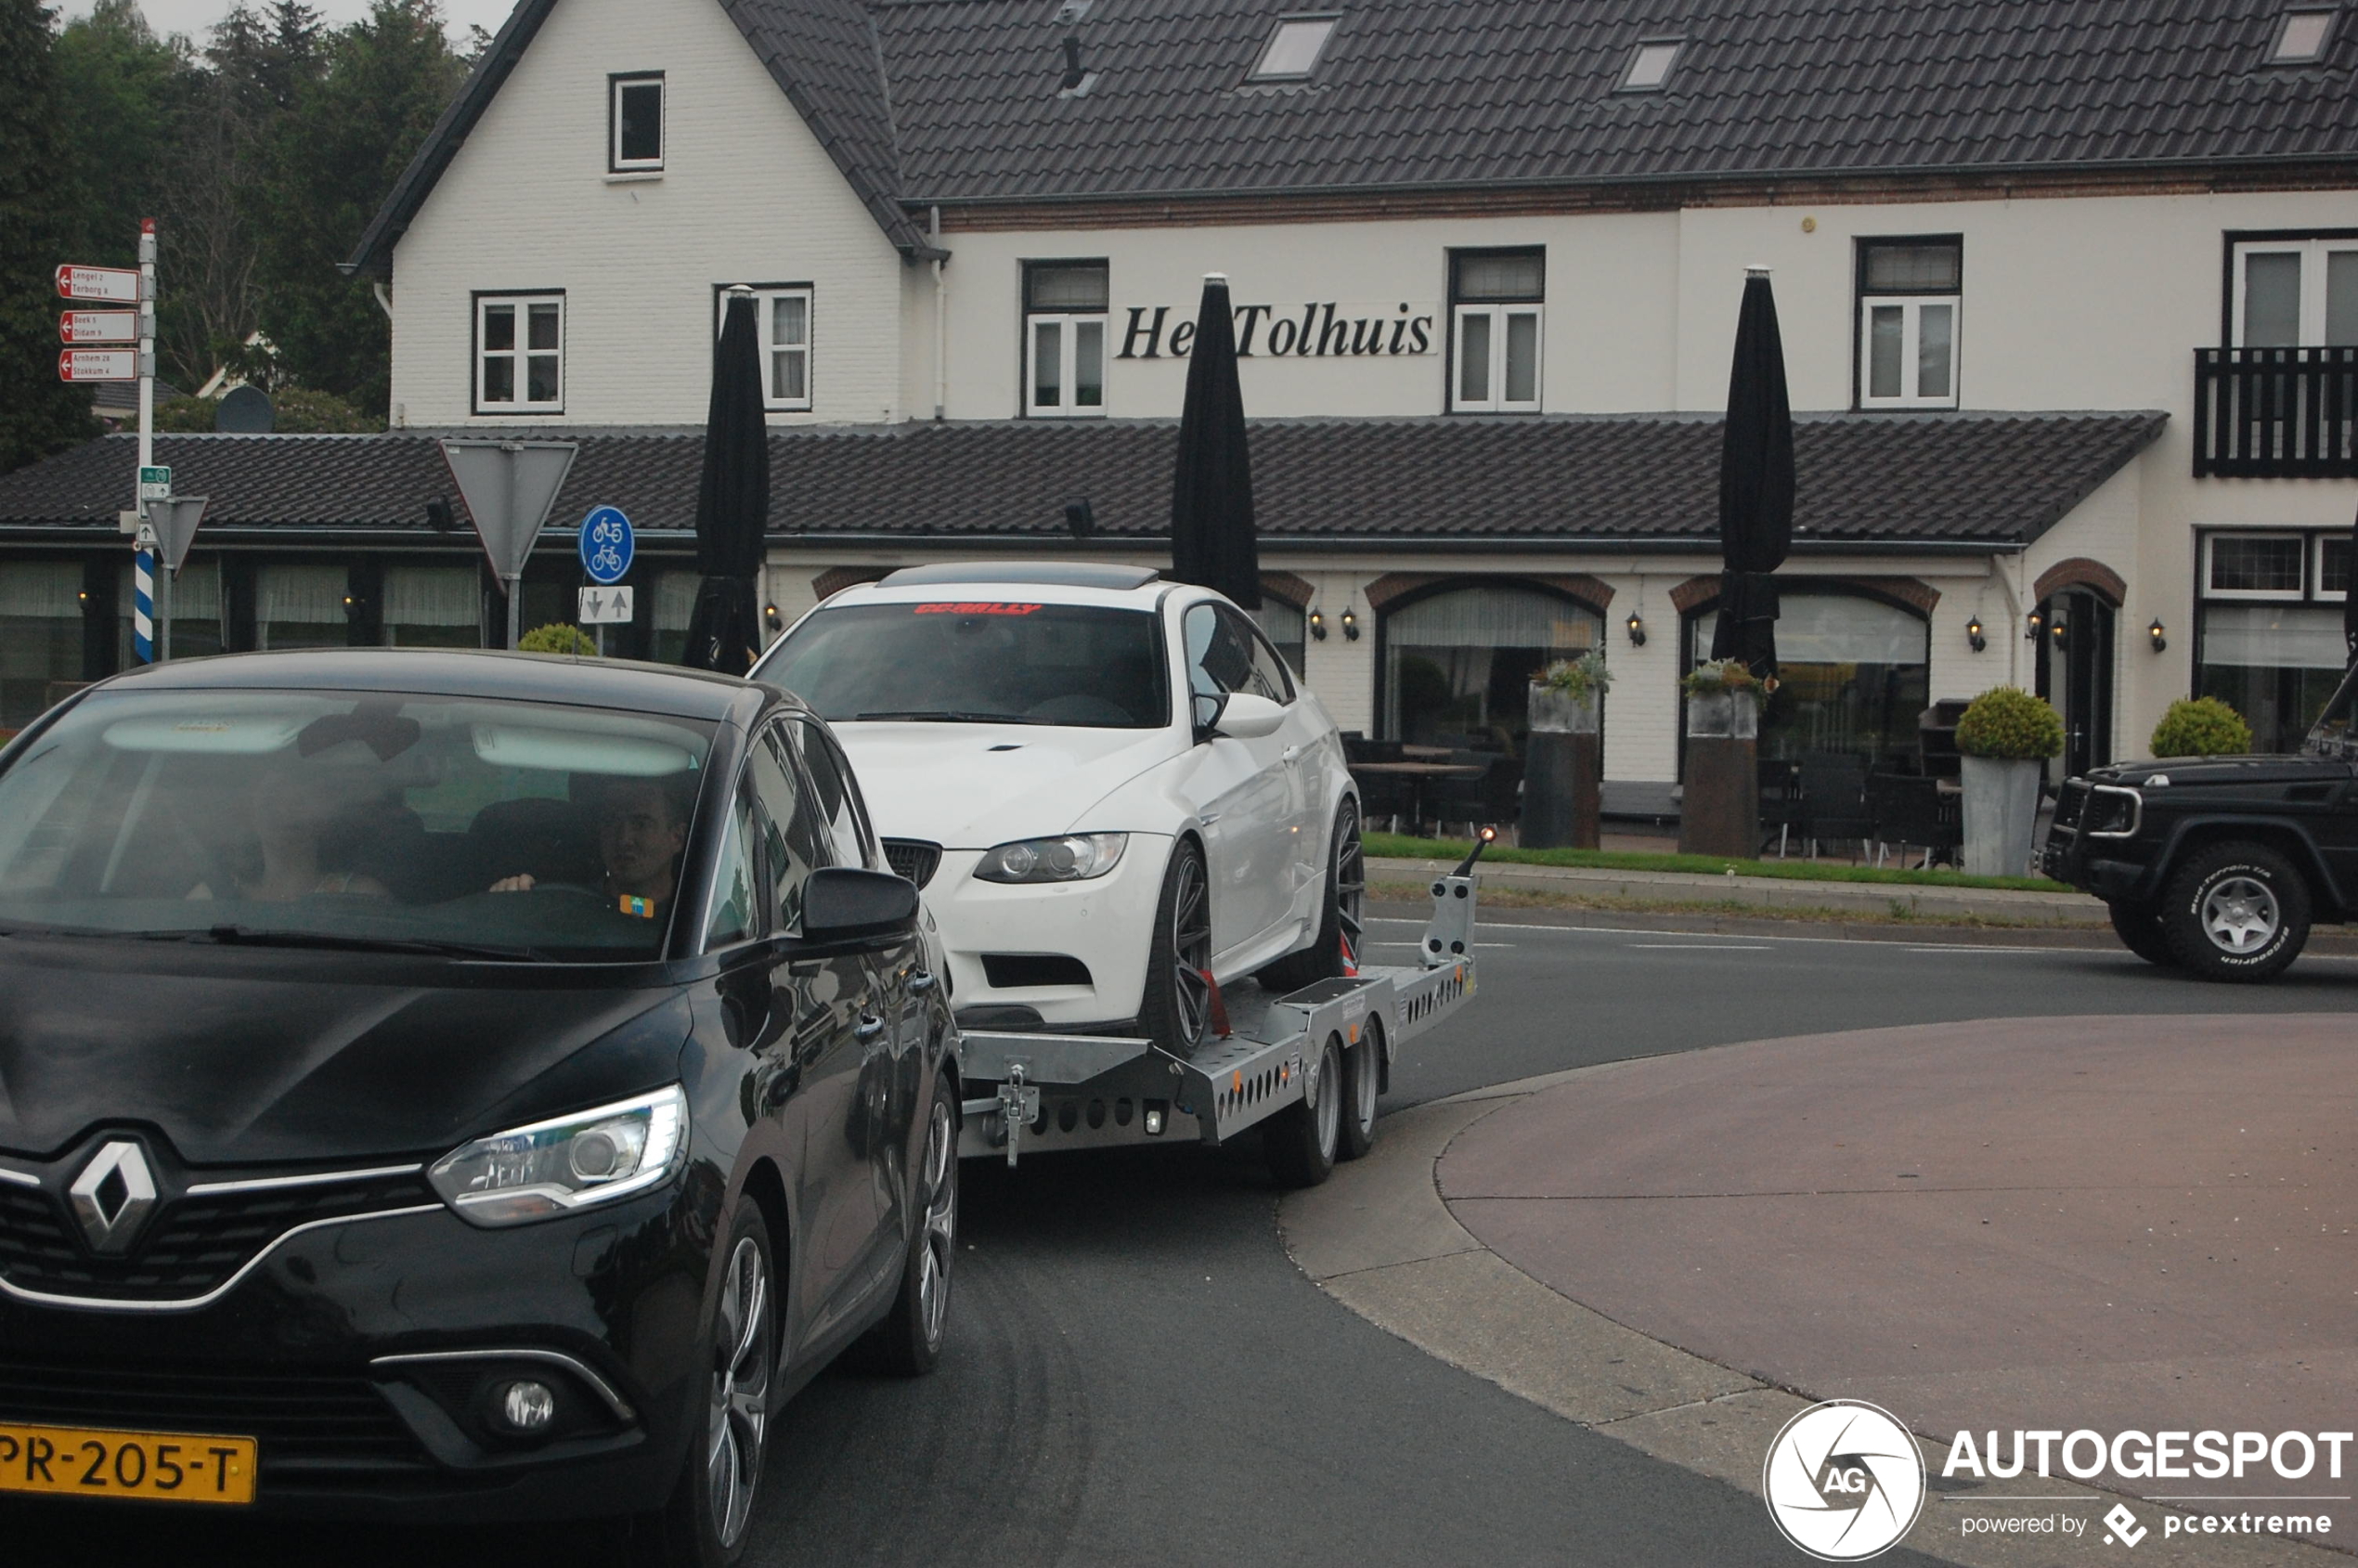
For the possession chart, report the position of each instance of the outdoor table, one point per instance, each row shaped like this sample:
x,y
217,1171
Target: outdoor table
x,y
1424,750
1418,774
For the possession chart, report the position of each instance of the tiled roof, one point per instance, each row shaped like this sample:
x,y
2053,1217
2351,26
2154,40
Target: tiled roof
x,y
1905,480
1469,92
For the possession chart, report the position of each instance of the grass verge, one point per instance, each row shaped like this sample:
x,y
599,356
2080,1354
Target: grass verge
x,y
1400,845
1898,913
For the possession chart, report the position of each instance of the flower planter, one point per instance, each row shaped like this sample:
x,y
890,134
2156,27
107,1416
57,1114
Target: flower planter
x,y
1720,812
2002,813
1563,765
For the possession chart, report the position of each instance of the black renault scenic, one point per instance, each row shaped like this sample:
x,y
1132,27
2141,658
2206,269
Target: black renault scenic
x,y
452,1086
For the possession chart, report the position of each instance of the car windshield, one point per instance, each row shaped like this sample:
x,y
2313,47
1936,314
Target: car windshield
x,y
978,662
2336,732
337,820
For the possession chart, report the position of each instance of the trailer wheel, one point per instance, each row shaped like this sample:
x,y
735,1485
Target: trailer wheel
x,y
1301,1139
1363,1081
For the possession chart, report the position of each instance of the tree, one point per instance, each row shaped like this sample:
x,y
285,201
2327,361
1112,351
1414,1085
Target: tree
x,y
350,133
39,414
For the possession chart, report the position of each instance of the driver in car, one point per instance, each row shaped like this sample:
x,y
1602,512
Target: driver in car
x,y
641,831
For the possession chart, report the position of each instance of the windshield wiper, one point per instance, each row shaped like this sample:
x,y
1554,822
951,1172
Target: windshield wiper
x,y
949,716
248,936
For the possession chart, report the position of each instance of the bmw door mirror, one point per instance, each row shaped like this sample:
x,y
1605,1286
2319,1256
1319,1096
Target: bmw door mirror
x,y
1247,717
845,904
1208,707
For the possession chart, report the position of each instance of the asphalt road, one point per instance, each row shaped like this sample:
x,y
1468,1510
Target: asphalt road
x,y
1137,1373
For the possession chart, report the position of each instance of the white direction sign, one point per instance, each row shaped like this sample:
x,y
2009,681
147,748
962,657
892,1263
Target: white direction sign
x,y
98,326
155,482
98,365
604,606
119,283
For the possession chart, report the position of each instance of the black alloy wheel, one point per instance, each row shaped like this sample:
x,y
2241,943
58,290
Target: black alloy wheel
x,y
704,1525
1343,914
2140,931
1363,1081
908,1343
1301,1140
1176,1008
2236,912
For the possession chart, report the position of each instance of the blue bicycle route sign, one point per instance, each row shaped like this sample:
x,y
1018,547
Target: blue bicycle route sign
x,y
606,544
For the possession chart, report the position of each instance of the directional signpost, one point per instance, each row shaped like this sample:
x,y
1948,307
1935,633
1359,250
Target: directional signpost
x,y
509,487
98,326
607,545
118,283
123,285
98,364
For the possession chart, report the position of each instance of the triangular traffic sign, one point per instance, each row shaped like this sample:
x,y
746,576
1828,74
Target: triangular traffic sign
x,y
175,519
509,487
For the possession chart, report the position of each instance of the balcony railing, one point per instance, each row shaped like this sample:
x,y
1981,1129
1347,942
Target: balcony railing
x,y
2275,413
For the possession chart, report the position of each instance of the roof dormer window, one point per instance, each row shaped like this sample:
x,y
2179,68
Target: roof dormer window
x,y
1649,64
2301,37
1293,50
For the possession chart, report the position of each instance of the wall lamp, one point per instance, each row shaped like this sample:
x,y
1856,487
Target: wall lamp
x,y
1637,624
770,618
2038,624
2060,633
2157,632
1318,625
1975,638
1350,625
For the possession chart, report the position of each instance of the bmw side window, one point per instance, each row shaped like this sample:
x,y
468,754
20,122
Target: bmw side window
x,y
1219,662
838,801
735,902
1270,677
794,842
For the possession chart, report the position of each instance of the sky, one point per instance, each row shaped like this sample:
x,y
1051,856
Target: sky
x,y
193,17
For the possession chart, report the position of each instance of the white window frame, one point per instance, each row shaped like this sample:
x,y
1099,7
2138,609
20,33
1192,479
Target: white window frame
x,y
1068,359
2258,595
765,309
1911,347
2313,255
1499,315
2317,588
615,162
520,355
1326,22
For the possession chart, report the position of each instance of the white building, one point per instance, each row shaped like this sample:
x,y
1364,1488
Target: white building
x,y
2069,296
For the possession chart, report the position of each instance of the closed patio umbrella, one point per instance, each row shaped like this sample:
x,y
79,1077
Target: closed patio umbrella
x,y
1755,485
1212,542
2350,600
733,502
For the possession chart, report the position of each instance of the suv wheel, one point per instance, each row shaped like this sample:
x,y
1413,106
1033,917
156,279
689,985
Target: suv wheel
x,y
2236,912
2140,931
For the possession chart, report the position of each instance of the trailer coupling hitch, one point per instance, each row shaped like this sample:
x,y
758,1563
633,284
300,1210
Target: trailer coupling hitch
x,y
1450,930
1019,1108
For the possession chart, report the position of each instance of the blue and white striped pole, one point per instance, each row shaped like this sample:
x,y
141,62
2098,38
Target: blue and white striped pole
x,y
143,604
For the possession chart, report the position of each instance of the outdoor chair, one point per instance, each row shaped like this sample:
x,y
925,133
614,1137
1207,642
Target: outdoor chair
x,y
1463,799
1914,810
1779,803
1387,797
1834,799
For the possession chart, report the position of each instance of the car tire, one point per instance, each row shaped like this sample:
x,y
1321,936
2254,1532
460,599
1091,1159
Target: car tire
x,y
2139,928
707,1521
908,1343
2235,911
1175,1010
1340,917
1301,1140
1362,1082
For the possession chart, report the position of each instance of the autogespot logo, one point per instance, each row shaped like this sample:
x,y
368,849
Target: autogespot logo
x,y
1844,1481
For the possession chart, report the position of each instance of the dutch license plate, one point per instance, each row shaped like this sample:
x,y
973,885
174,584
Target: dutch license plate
x,y
88,1463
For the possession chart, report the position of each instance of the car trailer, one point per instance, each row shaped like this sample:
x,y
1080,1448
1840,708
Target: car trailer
x,y
1042,1092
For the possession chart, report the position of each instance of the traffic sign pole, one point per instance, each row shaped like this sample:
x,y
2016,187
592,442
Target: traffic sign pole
x,y
142,636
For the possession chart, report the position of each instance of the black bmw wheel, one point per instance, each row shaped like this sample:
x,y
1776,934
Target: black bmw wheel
x,y
706,1524
908,1343
1335,949
1176,1008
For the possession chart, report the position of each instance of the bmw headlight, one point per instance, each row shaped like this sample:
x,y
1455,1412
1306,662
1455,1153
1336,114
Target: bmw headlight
x,y
567,1163
1075,857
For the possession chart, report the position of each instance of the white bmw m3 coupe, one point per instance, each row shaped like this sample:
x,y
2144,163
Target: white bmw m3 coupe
x,y
1110,787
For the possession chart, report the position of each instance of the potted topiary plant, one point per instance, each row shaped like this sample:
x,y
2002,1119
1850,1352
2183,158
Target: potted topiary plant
x,y
2005,736
558,637
1723,700
1719,788
2201,727
1563,756
1567,694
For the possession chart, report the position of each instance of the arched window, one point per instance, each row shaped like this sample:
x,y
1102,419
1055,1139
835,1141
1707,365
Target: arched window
x,y
1852,674
1457,663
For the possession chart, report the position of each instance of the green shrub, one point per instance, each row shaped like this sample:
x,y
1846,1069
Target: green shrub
x,y
1726,675
2007,721
299,410
2201,727
1579,679
557,638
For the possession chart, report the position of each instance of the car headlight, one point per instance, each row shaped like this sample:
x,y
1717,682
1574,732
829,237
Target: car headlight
x,y
1075,857
567,1163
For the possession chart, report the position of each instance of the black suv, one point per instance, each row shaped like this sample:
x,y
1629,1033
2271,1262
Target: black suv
x,y
2217,865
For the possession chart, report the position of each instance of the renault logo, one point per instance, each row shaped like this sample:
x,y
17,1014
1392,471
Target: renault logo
x,y
114,1197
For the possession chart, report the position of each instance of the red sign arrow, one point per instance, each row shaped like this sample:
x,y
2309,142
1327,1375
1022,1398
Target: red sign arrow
x,y
99,283
98,326
98,365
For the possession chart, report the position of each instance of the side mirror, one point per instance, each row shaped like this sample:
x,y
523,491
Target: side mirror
x,y
1204,709
1249,717
846,904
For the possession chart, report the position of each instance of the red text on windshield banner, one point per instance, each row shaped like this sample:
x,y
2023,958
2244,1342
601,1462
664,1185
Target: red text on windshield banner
x,y
973,607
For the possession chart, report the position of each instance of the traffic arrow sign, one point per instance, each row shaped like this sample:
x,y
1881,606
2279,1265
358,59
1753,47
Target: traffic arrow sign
x,y
604,606
98,326
99,283
98,365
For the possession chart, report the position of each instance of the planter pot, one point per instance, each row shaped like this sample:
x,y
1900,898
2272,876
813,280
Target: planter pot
x,y
1562,769
1719,811
1723,716
2002,813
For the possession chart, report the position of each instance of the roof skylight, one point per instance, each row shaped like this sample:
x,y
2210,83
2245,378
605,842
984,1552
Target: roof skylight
x,y
1650,65
2301,37
1293,50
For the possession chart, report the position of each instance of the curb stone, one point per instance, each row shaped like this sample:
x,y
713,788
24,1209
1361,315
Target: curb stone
x,y
1379,1237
